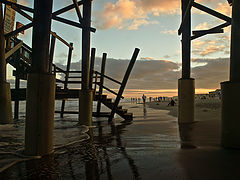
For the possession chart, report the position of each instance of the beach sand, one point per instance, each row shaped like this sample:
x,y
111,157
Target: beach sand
x,y
206,128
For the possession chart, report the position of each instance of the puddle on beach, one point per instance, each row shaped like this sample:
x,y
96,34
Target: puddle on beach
x,y
101,152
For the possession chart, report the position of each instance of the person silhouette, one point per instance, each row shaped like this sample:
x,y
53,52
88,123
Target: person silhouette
x,y
144,98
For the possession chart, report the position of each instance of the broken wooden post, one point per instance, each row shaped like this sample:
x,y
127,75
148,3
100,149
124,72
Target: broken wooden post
x,y
66,77
93,51
51,54
5,94
230,134
86,94
124,83
186,85
40,86
100,90
16,103
17,86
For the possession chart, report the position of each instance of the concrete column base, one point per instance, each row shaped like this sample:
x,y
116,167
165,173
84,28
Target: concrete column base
x,y
85,107
5,103
230,134
40,114
186,100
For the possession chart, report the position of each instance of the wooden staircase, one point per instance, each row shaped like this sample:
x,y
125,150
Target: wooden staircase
x,y
20,95
109,103
21,60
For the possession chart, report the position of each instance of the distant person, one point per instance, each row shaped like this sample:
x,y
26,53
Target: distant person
x,y
219,94
172,102
144,98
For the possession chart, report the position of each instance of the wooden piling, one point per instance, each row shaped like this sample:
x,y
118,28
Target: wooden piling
x,y
93,51
51,54
87,5
100,90
235,43
186,40
40,86
66,77
86,95
230,99
186,85
5,96
2,48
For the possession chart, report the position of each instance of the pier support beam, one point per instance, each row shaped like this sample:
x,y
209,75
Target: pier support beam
x,y
230,135
186,86
40,114
85,98
186,100
40,86
5,95
85,105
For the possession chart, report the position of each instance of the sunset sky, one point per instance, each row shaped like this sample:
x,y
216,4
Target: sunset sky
x,y
150,25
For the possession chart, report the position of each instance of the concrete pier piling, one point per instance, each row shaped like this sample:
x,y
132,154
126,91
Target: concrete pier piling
x,y
186,85
85,98
40,114
85,107
5,95
230,136
186,100
40,86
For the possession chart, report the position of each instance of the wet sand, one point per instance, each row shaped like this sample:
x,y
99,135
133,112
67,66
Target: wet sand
x,y
149,147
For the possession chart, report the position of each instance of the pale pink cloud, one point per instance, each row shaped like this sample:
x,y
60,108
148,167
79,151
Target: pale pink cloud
x,y
171,32
202,26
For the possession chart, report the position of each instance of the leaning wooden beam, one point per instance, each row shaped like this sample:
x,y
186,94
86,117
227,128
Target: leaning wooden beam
x,y
124,83
72,23
77,10
17,5
65,9
13,50
185,15
217,28
212,12
13,33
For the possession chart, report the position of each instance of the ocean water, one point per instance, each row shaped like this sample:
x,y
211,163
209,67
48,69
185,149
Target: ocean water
x,y
99,152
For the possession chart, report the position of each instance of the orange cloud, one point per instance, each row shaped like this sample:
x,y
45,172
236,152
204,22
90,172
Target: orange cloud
x,y
224,8
131,14
212,49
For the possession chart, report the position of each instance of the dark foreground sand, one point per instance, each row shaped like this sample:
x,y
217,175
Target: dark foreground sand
x,y
152,146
